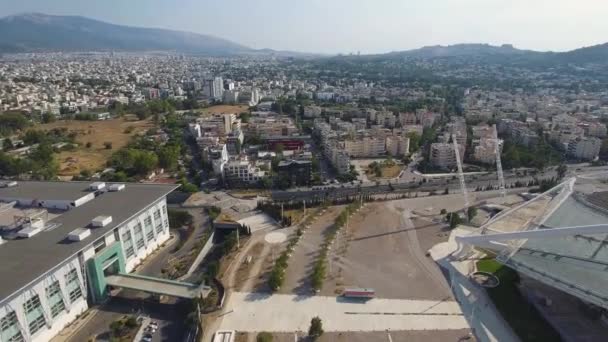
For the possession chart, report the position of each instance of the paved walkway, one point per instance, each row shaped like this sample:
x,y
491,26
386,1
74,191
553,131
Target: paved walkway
x,y
252,312
306,252
485,320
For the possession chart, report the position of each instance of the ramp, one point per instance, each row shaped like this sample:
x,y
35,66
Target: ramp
x,y
157,285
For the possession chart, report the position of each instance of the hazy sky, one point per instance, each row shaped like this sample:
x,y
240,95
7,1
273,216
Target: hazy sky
x,y
342,26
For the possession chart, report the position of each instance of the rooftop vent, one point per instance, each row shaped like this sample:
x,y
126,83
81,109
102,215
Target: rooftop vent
x,y
101,221
8,184
116,187
79,234
31,229
97,186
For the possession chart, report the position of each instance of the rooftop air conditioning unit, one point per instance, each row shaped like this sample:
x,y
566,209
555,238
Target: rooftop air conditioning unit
x,y
116,187
101,221
31,229
79,234
97,186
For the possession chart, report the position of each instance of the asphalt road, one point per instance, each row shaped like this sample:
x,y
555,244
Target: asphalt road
x,y
452,183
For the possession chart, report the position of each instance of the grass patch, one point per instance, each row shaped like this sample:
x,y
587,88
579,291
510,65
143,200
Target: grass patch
x,y
522,316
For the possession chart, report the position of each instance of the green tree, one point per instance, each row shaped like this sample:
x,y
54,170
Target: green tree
x,y
179,218
7,144
264,337
454,220
604,150
11,122
168,156
561,171
316,328
414,141
47,118
471,213
44,166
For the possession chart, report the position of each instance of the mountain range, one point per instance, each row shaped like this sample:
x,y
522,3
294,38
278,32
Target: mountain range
x,y
35,32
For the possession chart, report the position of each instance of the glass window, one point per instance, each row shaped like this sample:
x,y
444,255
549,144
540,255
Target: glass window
x,y
54,298
34,314
75,294
9,328
99,244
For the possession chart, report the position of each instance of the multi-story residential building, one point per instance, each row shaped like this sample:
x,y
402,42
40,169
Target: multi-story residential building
x,y
442,155
218,156
298,172
312,111
60,240
397,145
427,119
584,148
365,147
594,129
485,151
241,172
271,126
407,119
215,88
418,129
340,160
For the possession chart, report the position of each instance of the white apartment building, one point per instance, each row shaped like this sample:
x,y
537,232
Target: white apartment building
x,y
407,119
242,172
54,262
397,145
365,147
312,111
584,148
442,155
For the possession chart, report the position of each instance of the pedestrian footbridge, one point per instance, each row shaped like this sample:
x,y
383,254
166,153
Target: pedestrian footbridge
x,y
157,286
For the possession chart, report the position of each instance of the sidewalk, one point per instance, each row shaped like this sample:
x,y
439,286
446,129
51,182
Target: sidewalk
x,y
70,330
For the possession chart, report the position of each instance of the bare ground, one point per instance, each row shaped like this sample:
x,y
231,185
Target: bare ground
x,y
301,262
377,252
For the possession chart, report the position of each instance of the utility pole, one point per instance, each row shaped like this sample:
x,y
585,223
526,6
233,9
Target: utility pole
x,y
238,242
501,178
281,213
304,201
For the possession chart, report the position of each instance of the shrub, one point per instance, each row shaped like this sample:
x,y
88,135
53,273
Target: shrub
x,y
316,328
264,337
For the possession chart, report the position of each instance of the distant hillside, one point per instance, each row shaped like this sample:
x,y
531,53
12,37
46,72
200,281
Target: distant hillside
x,y
506,53
462,50
40,32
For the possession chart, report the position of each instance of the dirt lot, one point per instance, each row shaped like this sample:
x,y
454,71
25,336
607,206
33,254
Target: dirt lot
x,y
298,274
396,336
95,132
224,109
382,250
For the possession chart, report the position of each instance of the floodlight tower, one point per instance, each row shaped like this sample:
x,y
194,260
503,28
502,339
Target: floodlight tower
x,y
463,185
501,178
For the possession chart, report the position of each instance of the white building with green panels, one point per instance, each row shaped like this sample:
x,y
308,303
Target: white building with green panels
x,y
48,278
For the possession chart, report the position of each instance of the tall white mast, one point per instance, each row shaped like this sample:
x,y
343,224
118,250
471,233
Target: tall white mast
x,y
501,178
463,186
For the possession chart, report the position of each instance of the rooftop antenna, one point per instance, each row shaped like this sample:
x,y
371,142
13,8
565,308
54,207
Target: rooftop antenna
x,y
463,186
501,178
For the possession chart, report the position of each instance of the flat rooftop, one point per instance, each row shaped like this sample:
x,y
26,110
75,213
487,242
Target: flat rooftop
x,y
23,261
46,191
